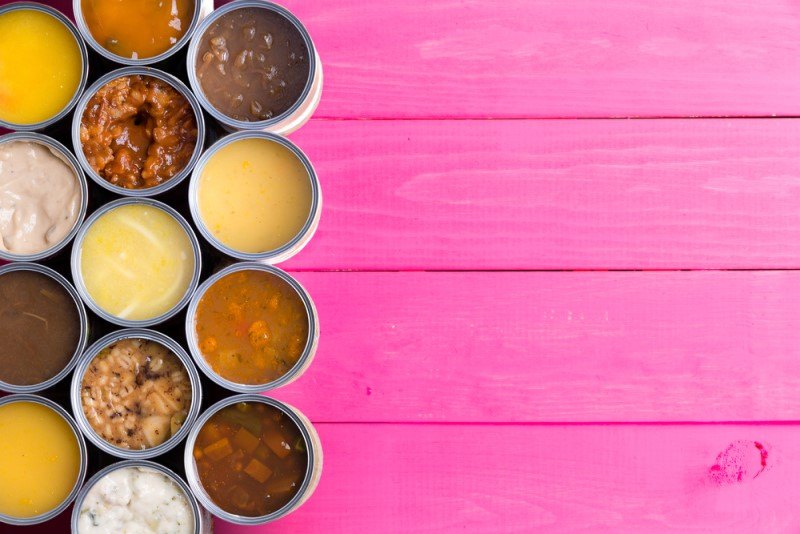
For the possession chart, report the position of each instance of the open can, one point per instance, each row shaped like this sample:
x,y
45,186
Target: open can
x,y
202,523
84,64
312,475
297,114
303,362
284,252
201,9
172,81
46,516
83,334
66,156
77,273
77,402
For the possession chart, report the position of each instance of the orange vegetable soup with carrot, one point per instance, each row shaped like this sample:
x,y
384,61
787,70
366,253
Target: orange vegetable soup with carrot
x,y
251,459
251,327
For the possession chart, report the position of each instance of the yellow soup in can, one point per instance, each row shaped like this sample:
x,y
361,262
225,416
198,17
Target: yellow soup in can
x,y
41,66
40,459
254,195
137,262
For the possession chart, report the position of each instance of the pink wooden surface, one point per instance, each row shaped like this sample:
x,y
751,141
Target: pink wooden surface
x,y
555,194
468,401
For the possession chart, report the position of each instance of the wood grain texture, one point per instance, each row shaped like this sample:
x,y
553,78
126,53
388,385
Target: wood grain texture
x,y
606,194
551,58
556,58
558,347
521,479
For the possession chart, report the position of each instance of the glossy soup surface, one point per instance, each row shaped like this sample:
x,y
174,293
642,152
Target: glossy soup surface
x,y
39,459
40,66
39,326
251,459
251,327
137,29
137,261
254,195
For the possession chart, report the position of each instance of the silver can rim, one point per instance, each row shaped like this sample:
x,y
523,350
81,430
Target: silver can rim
x,y
145,464
87,36
69,158
194,81
164,77
294,245
58,15
297,368
194,480
77,275
83,334
89,356
41,518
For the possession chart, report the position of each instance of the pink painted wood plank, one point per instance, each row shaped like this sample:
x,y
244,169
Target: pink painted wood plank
x,y
551,58
606,194
553,347
476,478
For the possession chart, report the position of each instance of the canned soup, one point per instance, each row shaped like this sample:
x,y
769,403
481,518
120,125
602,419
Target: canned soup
x,y
41,66
136,262
136,394
251,459
254,195
40,459
40,326
137,29
251,327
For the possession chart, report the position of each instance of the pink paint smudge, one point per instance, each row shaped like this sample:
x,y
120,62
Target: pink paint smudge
x,y
741,461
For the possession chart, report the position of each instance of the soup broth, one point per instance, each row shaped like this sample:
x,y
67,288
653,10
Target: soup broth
x,y
137,29
251,459
39,325
39,459
251,326
137,262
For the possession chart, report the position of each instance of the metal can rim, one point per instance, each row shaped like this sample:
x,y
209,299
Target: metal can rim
x,y
147,464
176,84
52,144
91,353
58,15
299,366
194,480
296,244
191,58
83,335
77,275
87,36
41,518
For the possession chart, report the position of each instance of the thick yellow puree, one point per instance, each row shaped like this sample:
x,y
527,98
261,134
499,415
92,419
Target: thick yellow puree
x,y
254,195
39,459
40,66
137,262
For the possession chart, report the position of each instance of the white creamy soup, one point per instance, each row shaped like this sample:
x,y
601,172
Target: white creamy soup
x,y
135,500
40,197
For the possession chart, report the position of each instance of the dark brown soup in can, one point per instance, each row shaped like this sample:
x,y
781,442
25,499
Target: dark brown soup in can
x,y
252,64
39,325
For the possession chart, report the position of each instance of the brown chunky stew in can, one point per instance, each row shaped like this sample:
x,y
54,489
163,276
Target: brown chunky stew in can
x,y
252,64
251,459
137,132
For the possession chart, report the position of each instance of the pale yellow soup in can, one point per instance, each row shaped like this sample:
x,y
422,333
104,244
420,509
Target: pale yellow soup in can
x,y
254,195
136,262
